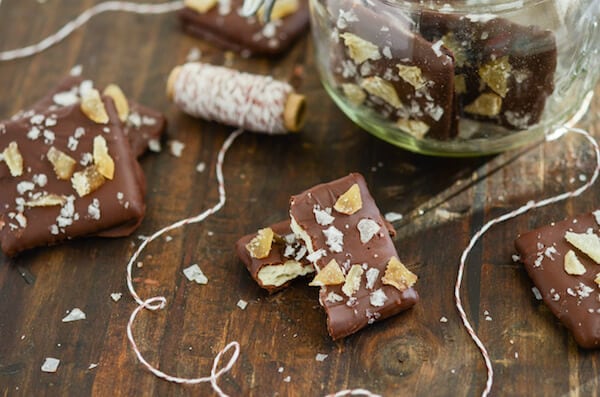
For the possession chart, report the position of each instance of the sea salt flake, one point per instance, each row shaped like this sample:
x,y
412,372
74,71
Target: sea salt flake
x,y
201,167
194,273
323,216
74,315
50,364
335,239
393,216
287,379
371,276
315,256
176,148
367,229
378,298
443,319
92,365
242,304
116,296
536,293
321,357
94,209
333,297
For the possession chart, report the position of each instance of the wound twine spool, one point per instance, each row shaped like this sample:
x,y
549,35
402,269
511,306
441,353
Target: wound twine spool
x,y
252,102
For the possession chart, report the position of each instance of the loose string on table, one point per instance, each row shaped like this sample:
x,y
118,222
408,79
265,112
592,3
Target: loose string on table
x,y
511,215
83,18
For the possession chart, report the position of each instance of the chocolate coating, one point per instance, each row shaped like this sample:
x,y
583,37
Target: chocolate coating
x,y
229,30
384,26
531,53
143,124
572,298
349,315
115,208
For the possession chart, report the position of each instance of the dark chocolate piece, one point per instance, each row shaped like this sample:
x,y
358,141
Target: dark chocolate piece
x,y
573,298
224,26
505,71
37,208
360,244
286,260
379,62
143,126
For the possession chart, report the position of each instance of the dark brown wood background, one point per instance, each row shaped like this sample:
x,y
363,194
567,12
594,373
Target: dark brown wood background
x,y
444,202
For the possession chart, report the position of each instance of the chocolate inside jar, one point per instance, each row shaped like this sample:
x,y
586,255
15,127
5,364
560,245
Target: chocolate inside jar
x,y
438,74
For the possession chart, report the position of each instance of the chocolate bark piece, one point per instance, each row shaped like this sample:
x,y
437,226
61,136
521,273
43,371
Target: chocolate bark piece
x,y
285,262
379,62
143,124
222,24
573,298
355,236
505,71
64,189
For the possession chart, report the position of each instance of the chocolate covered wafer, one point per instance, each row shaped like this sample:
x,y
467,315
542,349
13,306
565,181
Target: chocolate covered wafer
x,y
273,256
220,23
142,125
504,70
359,271
563,261
66,173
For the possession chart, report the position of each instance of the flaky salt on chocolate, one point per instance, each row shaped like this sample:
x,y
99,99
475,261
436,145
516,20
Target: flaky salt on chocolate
x,y
142,125
282,260
78,176
220,23
344,231
563,261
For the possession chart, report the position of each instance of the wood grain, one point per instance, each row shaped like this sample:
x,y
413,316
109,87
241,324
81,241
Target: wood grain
x,y
445,201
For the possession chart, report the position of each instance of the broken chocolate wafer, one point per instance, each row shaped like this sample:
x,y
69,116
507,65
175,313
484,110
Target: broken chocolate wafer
x,y
66,173
563,261
361,277
220,23
273,256
142,125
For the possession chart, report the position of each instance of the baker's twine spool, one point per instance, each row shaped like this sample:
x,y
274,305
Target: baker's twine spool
x,y
252,102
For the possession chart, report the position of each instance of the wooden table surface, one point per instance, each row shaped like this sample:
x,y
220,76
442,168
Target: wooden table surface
x,y
444,201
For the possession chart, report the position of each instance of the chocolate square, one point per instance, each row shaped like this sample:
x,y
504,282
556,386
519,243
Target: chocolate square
x,y
114,209
517,61
573,298
143,124
373,300
223,25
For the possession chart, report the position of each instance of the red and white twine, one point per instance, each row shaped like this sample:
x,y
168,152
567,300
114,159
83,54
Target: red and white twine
x,y
252,102
511,215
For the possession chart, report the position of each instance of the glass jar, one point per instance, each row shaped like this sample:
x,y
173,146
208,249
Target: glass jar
x,y
458,77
